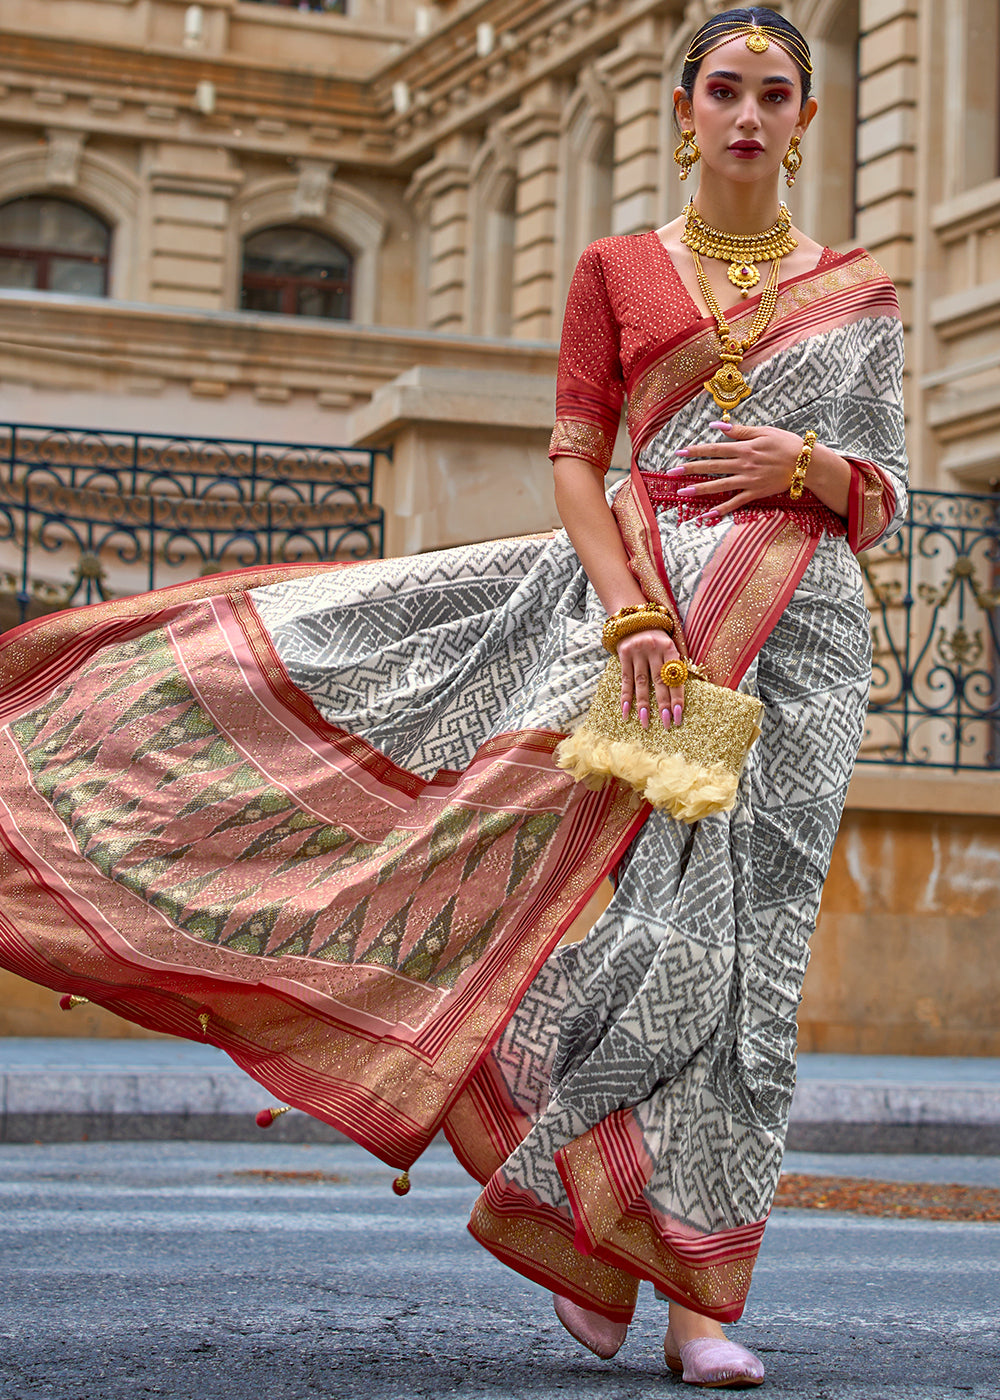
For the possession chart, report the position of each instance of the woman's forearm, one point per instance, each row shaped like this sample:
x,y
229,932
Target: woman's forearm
x,y
829,478
584,511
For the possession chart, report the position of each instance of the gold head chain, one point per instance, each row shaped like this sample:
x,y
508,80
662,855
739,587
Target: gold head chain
x,y
759,38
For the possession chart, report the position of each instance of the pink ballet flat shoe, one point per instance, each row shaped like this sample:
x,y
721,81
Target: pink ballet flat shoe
x,y
714,1363
598,1334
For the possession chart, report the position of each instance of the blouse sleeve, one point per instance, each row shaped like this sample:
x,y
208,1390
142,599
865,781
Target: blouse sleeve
x,y
590,388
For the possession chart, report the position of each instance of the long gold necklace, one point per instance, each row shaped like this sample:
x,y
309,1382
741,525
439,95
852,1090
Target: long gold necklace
x,y
727,385
742,251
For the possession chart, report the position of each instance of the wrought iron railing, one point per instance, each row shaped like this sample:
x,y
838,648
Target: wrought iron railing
x,y
935,604
85,516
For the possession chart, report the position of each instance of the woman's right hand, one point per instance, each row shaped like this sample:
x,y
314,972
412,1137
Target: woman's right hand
x,y
642,656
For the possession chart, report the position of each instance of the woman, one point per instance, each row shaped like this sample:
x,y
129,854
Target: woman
x,y
315,815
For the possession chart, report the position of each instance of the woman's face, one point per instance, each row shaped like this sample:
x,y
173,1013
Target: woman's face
x,y
745,110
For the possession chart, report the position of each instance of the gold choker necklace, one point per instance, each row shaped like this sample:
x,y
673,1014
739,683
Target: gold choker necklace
x,y
742,251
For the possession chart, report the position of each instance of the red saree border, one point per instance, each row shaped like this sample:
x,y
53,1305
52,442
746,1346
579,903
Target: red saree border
x,y
871,503
537,1241
111,619
605,1173
742,592
609,1222
852,289
294,1031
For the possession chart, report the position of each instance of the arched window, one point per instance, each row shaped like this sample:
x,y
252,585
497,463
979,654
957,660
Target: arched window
x,y
53,245
296,272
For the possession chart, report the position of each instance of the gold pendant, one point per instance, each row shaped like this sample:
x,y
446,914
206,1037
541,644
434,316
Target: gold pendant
x,y
744,275
727,386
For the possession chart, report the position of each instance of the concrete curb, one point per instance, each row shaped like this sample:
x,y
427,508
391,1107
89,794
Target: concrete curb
x,y
832,1116
109,1105
129,1091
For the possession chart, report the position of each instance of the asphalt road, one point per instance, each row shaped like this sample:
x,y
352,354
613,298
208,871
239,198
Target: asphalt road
x,y
163,1269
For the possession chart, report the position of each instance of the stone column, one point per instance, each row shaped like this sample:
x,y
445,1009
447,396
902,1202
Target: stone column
x,y
534,132
190,189
635,72
887,139
440,193
468,456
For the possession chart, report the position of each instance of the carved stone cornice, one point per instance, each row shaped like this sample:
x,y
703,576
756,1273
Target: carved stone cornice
x,y
535,40
450,85
531,123
437,177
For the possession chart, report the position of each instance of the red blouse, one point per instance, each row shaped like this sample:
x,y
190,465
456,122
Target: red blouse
x,y
626,299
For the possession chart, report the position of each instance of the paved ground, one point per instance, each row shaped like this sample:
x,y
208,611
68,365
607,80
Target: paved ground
x,y
164,1270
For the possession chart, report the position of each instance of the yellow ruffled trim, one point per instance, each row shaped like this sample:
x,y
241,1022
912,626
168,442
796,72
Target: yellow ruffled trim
x,y
688,791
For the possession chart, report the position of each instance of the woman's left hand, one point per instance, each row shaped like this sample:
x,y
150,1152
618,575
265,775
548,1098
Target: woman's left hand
x,y
753,462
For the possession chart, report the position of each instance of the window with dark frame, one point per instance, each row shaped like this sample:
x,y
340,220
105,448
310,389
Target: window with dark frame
x,y
337,7
292,271
53,245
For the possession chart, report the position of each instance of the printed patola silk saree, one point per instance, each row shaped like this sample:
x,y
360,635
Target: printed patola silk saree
x,y
312,816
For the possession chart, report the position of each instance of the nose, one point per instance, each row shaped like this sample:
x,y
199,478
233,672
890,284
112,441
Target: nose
x,y
748,118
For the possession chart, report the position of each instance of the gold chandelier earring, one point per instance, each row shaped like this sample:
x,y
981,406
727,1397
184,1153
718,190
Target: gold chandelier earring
x,y
687,153
792,161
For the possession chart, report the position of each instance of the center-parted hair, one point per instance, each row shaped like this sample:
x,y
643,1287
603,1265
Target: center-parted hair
x,y
730,24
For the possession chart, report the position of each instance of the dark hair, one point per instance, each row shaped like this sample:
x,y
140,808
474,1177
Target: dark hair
x,y
718,25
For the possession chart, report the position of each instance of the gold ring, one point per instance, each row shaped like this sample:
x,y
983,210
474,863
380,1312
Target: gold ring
x,y
673,673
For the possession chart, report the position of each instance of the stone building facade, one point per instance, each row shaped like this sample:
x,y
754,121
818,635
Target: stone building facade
x,y
460,156
453,158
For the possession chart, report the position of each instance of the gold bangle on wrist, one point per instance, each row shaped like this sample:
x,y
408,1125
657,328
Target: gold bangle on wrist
x,y
798,481
637,617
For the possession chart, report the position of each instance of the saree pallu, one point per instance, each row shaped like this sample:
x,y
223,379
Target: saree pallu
x,y
312,816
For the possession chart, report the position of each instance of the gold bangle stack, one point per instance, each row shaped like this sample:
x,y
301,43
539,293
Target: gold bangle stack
x,y
798,481
637,617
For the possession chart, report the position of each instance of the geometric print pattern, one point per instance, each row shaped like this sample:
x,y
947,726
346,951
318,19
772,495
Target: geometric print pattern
x,y
680,1003
426,658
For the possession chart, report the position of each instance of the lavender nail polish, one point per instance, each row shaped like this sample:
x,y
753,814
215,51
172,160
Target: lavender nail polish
x,y
626,706
682,452
687,490
675,471
644,717
678,713
665,717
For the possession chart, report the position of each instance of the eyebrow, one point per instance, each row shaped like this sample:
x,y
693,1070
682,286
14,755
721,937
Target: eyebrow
x,y
738,78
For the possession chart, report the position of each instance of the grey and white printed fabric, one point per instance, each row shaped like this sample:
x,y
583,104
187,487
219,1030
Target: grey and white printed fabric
x,y
681,1002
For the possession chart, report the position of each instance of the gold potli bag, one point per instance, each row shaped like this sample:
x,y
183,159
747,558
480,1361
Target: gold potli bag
x,y
690,770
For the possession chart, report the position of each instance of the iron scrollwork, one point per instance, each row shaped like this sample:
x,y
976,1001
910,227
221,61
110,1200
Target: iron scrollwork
x,y
86,516
934,598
